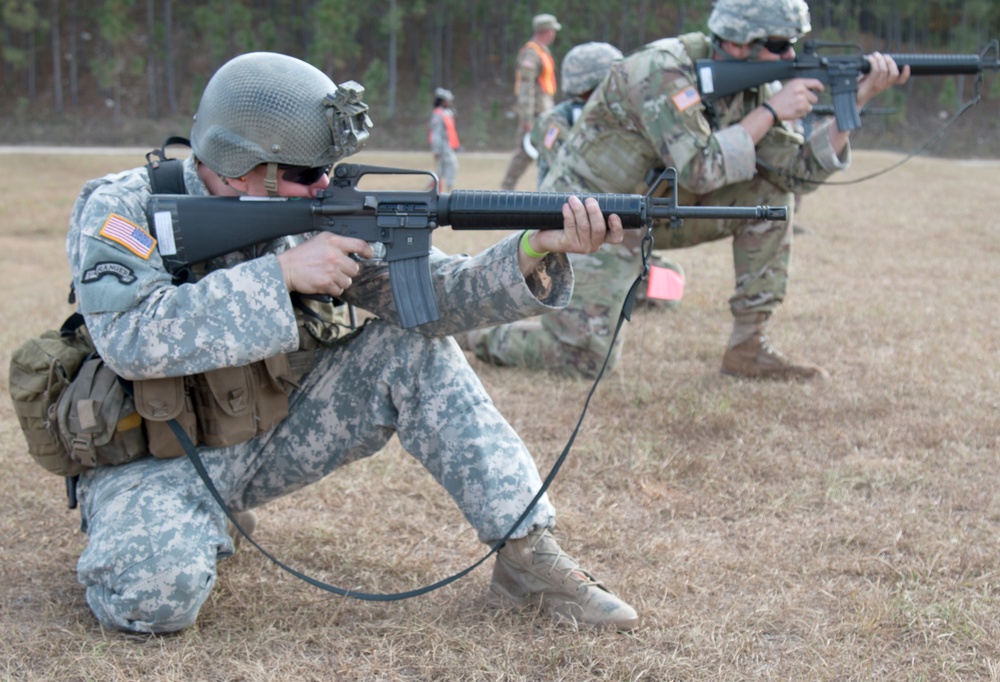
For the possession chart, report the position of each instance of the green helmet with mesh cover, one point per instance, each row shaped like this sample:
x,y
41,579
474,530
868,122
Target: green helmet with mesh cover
x,y
264,107
744,21
586,65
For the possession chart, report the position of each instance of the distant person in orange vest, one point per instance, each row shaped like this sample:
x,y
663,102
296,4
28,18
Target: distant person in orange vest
x,y
443,139
535,87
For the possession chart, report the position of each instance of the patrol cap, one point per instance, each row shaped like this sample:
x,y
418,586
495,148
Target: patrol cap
x,y
543,22
443,94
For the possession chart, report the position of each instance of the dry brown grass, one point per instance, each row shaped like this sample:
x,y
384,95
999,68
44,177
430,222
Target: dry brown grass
x,y
839,531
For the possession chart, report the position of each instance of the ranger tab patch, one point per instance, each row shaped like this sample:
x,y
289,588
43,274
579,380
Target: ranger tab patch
x,y
129,235
122,272
686,98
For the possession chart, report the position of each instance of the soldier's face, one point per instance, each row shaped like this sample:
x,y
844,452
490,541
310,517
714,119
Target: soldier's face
x,y
293,181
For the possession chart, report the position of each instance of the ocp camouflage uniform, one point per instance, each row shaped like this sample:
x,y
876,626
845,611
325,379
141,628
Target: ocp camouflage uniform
x,y
531,101
155,533
551,130
617,143
574,341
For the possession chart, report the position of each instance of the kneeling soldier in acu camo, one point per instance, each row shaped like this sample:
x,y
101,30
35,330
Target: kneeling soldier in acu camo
x,y
264,128
648,114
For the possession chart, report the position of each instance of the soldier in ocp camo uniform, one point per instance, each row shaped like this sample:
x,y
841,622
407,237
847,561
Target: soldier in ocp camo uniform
x,y
648,114
576,341
269,125
535,89
582,69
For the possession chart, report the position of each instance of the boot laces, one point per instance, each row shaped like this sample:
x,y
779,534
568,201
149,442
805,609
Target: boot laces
x,y
558,561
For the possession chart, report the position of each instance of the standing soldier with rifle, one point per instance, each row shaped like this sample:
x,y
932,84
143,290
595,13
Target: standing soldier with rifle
x,y
649,114
269,125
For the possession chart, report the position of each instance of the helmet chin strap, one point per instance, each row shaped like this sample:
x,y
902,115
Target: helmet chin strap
x,y
271,179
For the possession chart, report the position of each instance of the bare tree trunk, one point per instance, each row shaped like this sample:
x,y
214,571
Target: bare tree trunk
x,y
447,36
154,103
474,45
392,66
168,57
57,90
32,66
74,58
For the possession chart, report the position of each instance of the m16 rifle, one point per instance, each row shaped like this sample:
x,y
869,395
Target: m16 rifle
x,y
398,224
839,72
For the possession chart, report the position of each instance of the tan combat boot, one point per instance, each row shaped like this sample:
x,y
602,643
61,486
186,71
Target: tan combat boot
x,y
535,571
751,356
248,522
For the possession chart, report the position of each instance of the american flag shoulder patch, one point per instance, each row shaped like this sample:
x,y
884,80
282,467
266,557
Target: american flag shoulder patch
x,y
686,98
550,137
129,235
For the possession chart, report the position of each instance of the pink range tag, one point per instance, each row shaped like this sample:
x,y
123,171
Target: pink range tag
x,y
665,284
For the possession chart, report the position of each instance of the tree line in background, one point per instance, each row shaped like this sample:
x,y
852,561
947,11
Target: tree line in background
x,y
150,59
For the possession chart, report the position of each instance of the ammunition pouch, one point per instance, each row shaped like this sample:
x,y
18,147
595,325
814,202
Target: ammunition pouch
x,y
219,408
76,413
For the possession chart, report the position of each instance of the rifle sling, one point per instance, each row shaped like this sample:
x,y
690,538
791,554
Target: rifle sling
x,y
192,454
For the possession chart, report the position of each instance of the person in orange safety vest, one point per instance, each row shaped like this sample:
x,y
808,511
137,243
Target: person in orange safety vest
x,y
535,87
443,139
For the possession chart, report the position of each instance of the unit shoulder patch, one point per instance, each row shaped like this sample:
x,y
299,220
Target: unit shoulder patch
x,y
123,273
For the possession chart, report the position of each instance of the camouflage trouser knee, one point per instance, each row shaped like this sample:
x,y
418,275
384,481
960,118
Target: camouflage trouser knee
x,y
447,170
761,249
573,341
155,533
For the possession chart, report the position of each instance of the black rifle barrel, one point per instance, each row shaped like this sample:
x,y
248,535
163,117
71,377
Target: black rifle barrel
x,y
493,210
939,64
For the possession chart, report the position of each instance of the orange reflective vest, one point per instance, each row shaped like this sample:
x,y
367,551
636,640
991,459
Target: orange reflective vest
x,y
547,78
448,117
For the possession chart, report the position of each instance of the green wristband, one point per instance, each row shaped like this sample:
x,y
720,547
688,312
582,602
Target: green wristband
x,y
527,247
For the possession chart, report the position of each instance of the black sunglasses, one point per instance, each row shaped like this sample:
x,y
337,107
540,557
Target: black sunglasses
x,y
302,175
778,47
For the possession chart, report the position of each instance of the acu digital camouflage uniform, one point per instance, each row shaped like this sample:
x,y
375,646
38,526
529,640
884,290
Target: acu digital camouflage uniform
x,y
646,115
443,139
155,533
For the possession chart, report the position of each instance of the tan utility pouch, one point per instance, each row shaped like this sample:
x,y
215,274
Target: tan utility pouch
x,y
40,371
98,423
219,408
159,401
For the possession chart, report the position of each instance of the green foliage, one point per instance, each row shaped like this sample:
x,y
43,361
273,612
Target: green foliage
x,y
350,40
948,94
20,15
375,78
335,24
